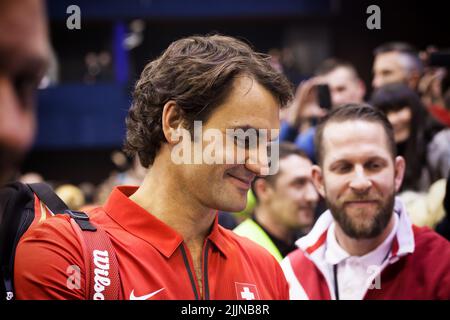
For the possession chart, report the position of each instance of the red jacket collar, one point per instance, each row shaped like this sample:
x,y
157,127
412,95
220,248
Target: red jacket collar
x,y
147,227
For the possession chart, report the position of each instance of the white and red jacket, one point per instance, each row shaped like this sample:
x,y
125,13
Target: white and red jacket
x,y
417,267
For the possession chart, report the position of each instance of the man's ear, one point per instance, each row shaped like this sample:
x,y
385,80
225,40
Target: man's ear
x,y
399,172
262,189
318,179
172,122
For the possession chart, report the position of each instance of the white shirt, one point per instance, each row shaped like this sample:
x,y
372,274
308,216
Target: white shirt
x,y
356,274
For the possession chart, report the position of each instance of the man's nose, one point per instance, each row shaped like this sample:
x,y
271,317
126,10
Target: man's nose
x,y
258,161
311,196
258,166
360,183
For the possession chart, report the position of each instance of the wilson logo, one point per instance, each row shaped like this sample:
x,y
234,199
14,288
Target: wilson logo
x,y
101,273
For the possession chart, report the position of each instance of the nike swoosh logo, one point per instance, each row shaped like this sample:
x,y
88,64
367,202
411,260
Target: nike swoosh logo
x,y
146,297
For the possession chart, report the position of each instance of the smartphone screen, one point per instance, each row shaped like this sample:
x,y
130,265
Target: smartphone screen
x,y
324,96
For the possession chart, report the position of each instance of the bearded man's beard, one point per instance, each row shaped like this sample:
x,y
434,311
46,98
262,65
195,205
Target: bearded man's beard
x,y
367,229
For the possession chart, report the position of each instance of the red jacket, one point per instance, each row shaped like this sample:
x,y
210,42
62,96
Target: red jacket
x,y
153,260
418,266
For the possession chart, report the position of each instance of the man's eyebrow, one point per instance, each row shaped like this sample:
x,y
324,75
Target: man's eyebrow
x,y
377,158
259,132
338,162
345,161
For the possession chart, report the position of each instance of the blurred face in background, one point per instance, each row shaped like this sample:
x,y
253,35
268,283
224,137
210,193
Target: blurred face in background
x,y
388,68
345,86
401,122
291,198
24,52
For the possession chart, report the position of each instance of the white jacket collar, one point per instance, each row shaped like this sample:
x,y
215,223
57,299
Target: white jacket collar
x,y
313,243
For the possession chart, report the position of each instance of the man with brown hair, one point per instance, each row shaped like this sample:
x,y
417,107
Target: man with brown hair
x,y
364,246
165,232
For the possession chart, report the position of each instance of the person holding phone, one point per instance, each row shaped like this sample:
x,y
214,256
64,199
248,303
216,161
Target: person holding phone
x,y
336,82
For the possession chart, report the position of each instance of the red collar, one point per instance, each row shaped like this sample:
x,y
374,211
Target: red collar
x,y
147,227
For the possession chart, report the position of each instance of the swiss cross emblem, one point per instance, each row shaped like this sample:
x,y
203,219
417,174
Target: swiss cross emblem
x,y
246,291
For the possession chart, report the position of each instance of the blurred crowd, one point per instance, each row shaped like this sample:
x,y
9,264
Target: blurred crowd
x,y
410,87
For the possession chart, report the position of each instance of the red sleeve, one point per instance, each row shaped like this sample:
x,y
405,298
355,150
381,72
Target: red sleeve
x,y
49,262
282,284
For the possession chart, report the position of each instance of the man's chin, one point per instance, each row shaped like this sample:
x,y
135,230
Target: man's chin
x,y
235,203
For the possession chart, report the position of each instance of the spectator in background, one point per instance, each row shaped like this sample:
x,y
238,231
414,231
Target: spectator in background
x,y
438,156
31,177
285,204
71,195
435,89
365,246
396,62
345,87
343,80
407,115
421,191
24,56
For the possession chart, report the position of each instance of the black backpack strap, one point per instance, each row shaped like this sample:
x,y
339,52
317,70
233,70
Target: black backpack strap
x,y
45,193
82,219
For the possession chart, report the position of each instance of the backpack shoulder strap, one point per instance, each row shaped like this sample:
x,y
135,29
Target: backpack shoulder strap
x,y
45,193
101,266
102,269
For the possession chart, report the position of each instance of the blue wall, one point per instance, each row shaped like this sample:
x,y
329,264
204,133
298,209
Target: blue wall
x,y
119,9
73,116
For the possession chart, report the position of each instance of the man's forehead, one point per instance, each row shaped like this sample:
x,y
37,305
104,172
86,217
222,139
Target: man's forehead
x,y
342,137
296,165
248,106
341,73
388,60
